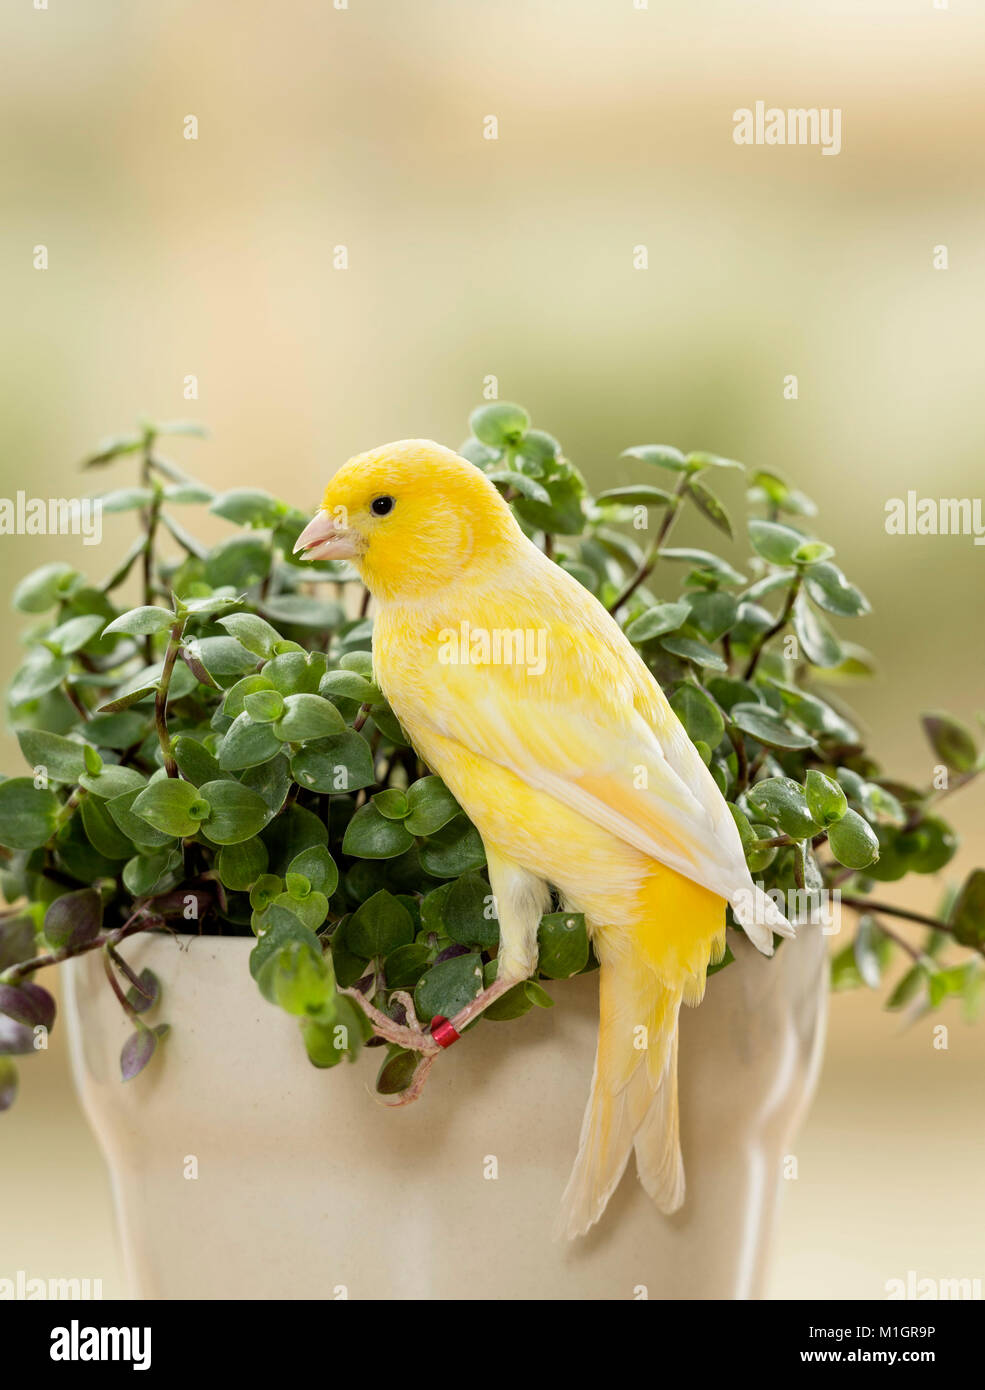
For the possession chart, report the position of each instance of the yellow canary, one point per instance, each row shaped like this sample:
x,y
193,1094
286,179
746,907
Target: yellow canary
x,y
522,693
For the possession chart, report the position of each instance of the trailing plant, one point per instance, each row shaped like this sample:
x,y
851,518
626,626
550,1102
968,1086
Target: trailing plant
x,y
216,757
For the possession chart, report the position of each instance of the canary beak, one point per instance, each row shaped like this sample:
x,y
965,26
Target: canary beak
x,y
323,539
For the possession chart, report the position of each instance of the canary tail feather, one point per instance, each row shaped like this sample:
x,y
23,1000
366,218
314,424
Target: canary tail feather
x,y
759,916
633,1101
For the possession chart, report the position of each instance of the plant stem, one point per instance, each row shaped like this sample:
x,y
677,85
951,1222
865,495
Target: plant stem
x,y
778,626
75,700
150,527
161,699
866,905
653,550
142,920
117,989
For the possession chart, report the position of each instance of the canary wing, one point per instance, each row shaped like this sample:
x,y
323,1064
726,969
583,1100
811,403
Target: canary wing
x,y
594,730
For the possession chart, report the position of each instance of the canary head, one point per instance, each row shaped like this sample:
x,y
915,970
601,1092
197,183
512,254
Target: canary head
x,y
412,517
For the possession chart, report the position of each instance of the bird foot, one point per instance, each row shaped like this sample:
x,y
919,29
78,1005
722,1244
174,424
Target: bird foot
x,y
409,1035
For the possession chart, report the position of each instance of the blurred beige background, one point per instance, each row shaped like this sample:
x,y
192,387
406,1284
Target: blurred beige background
x,y
467,257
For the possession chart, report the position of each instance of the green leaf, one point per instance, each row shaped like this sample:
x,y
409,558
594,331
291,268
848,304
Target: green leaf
x,y
454,849
818,642
951,741
318,867
135,828
308,717
699,714
248,507
251,632
768,486
350,685
825,798
187,494
61,758
295,673
140,622
294,830
908,988
239,562
379,926
235,700
713,613
44,587
830,590
271,779
562,939
449,987
521,483
236,813
119,731
240,865
660,455
41,671
967,920
697,461
221,656
655,621
690,649
148,874
370,835
768,728
391,803
102,831
172,806
637,495
703,562
74,634
853,842
126,499
27,814
301,611
928,846
500,424
264,706
112,781
566,514
342,764
709,505
245,744
469,913
537,994
397,1071
431,806
782,800
406,965
811,553
869,950
774,541
195,762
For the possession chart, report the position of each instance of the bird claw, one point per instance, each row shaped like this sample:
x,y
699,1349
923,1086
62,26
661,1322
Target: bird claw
x,y
410,1035
416,1086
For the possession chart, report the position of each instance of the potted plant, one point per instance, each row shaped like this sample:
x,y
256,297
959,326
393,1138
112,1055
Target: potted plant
x,y
217,789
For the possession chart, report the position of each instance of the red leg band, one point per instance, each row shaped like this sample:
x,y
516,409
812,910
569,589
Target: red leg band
x,y
442,1031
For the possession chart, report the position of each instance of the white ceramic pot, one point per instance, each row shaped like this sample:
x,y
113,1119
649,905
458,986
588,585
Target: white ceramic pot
x,y
307,1187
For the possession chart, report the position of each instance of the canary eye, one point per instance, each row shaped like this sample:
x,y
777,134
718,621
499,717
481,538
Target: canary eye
x,y
380,506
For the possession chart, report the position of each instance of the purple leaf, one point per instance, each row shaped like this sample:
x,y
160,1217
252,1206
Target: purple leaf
x,y
15,1039
28,1004
137,1051
74,918
147,995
